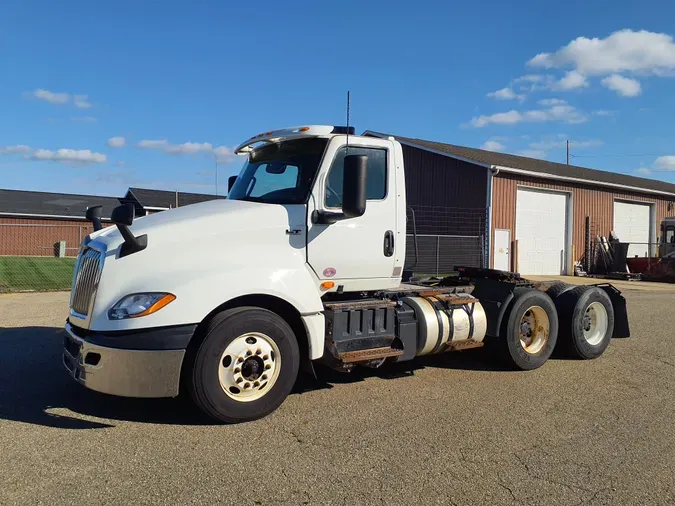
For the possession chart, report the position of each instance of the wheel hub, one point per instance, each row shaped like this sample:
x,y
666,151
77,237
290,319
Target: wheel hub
x,y
249,367
534,329
252,368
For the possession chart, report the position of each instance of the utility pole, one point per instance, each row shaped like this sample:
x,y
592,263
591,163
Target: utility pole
x,y
568,152
216,158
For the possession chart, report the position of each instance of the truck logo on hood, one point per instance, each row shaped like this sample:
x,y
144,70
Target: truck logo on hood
x,y
329,272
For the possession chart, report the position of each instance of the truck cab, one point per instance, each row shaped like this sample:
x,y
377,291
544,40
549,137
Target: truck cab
x,y
302,262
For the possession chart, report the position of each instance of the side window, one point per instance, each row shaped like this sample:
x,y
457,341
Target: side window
x,y
376,180
670,235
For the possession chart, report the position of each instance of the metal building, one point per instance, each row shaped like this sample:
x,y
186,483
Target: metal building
x,y
534,212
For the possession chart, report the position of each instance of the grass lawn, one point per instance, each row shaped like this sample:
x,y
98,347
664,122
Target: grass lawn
x,y
35,273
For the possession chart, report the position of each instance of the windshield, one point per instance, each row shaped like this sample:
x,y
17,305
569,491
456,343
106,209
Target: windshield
x,y
280,173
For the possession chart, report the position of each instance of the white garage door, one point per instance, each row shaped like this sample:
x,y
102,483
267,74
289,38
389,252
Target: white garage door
x,y
541,221
631,224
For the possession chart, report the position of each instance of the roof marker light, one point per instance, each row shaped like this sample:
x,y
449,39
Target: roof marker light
x,y
304,129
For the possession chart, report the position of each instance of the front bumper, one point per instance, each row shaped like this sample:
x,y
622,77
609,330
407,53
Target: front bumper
x,y
123,372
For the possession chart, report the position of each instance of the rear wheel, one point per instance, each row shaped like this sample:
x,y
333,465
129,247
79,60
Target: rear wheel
x,y
246,366
588,321
531,329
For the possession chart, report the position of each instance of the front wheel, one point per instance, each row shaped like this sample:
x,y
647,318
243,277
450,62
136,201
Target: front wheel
x,y
246,366
531,329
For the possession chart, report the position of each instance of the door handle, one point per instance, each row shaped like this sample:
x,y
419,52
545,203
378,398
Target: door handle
x,y
388,243
293,231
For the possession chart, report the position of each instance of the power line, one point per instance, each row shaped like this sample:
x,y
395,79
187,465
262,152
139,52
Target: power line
x,y
618,155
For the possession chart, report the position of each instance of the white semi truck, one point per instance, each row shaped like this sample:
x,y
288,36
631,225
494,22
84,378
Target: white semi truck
x,y
229,299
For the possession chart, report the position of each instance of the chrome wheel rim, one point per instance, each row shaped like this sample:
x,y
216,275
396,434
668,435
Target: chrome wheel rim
x,y
249,367
534,330
595,323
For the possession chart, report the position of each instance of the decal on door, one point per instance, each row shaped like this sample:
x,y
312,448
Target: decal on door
x,y
329,272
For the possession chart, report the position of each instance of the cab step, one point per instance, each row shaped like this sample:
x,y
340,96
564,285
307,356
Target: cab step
x,y
349,357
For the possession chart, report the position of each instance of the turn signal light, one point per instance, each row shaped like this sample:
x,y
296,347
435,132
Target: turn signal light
x,y
327,285
304,129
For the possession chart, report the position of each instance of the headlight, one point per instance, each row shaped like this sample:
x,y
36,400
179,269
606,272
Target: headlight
x,y
139,304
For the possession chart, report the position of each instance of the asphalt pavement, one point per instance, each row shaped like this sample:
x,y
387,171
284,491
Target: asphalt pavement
x,y
456,429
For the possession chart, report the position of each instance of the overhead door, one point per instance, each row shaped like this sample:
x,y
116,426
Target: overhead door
x,y
631,224
541,225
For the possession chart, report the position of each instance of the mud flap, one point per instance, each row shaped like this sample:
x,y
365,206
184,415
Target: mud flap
x,y
621,326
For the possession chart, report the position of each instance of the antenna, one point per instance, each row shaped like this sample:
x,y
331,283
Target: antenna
x,y
347,145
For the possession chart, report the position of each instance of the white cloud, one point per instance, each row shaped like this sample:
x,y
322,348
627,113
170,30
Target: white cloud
x,y
79,156
565,113
665,163
532,153
15,150
624,86
505,94
603,113
571,81
49,96
552,101
81,101
641,52
644,171
530,78
493,145
117,142
222,153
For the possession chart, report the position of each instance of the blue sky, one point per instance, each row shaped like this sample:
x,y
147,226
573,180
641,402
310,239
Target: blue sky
x,y
99,96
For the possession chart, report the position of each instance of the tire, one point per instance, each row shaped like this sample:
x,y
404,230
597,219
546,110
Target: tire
x,y
557,290
533,308
246,365
588,322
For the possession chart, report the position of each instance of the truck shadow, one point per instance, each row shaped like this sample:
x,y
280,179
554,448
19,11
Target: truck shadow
x,y
36,389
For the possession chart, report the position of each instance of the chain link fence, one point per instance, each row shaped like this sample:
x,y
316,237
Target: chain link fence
x,y
39,257
440,238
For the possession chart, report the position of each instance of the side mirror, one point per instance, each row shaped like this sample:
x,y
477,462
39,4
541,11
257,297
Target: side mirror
x,y
93,214
354,186
230,182
123,215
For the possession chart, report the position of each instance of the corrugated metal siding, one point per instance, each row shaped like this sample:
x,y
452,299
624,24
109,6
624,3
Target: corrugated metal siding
x,y
436,180
588,200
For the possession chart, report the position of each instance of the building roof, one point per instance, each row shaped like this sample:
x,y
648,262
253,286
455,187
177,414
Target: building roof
x,y
542,168
52,205
162,199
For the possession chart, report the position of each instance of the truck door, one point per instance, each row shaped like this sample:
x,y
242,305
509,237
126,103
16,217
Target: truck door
x,y
358,253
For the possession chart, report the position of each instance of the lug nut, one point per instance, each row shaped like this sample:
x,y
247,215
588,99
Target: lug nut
x,y
248,353
239,379
237,370
256,384
266,357
247,385
264,377
267,366
240,360
258,351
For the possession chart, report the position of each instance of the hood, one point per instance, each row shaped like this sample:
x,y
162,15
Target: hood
x,y
199,222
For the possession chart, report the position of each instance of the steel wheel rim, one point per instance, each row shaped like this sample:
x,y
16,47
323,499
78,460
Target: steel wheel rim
x,y
595,323
249,367
534,330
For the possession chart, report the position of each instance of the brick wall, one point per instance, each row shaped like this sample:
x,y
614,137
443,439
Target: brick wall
x,y
36,237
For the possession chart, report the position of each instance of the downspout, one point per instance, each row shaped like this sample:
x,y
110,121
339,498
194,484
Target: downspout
x,y
492,171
